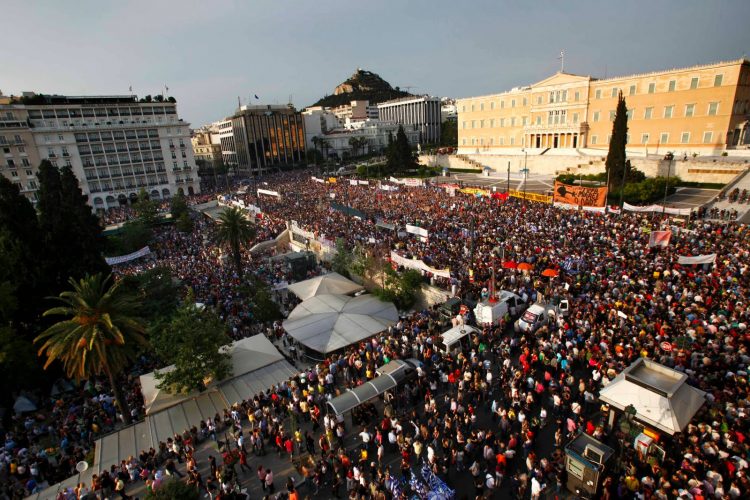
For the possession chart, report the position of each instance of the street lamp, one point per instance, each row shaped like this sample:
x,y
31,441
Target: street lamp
x,y
669,157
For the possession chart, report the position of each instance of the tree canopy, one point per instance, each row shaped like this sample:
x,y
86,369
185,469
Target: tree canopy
x,y
191,341
235,231
399,156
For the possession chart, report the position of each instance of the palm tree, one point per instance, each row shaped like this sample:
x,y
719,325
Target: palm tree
x,y
235,231
101,334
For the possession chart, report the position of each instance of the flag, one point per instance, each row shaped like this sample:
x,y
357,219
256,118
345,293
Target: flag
x,y
256,96
659,239
130,88
166,88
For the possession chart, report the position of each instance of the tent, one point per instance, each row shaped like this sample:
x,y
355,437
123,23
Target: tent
x,y
326,323
660,395
332,283
247,355
23,405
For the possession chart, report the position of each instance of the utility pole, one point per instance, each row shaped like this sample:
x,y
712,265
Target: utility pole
x,y
669,157
507,189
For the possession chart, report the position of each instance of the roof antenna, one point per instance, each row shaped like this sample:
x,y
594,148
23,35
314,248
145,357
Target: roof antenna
x,y
562,61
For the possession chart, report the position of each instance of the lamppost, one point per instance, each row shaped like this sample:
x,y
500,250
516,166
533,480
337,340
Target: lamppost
x,y
622,187
507,189
669,157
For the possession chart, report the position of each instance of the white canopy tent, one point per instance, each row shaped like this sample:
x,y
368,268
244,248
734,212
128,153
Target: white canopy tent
x,y
326,323
332,283
660,395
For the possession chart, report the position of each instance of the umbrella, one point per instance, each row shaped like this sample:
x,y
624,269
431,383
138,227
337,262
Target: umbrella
x,y
23,405
550,273
509,264
525,266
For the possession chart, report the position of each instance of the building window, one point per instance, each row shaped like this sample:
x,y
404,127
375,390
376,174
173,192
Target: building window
x,y
472,141
685,138
481,123
481,106
611,115
524,120
473,124
501,141
25,162
492,141
614,91
609,139
463,141
502,122
631,113
463,108
538,120
647,113
694,82
472,107
577,96
463,125
644,139
708,137
689,110
502,104
668,111
492,105
651,88
524,102
593,139
575,118
717,80
13,173
492,123
539,99
512,103
672,85
513,121
632,90
596,116
664,138
512,141
598,93
713,108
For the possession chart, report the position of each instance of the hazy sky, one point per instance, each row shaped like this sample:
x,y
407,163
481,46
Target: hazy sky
x,y
212,51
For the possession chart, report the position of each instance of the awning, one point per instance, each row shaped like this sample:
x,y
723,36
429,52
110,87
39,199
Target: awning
x,y
332,283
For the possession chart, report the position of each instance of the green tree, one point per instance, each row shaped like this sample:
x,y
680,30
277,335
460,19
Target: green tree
x,y
399,155
400,287
259,296
615,164
234,231
173,489
184,224
343,258
192,342
146,209
449,133
157,291
178,206
101,332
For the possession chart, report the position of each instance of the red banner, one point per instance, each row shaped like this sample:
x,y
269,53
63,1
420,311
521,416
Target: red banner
x,y
580,195
659,238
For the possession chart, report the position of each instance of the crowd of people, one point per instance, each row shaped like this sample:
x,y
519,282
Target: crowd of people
x,y
493,418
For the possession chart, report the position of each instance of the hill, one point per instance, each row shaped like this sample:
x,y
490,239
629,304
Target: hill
x,y
362,85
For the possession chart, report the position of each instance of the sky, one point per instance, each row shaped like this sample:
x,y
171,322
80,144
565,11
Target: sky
x,y
210,52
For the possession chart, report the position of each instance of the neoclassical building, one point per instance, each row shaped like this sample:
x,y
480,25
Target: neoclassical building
x,y
701,109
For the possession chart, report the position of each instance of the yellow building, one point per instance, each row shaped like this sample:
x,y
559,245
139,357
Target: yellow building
x,y
702,109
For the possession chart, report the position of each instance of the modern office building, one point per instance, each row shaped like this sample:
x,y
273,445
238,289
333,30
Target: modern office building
x,y
115,145
258,138
701,109
420,113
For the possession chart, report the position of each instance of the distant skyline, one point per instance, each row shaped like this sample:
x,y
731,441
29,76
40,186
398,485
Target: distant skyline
x,y
209,53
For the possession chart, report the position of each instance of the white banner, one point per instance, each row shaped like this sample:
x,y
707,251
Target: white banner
x,y
386,187
657,209
127,258
352,182
419,265
697,259
417,230
395,181
566,206
413,182
364,183
282,285
318,180
269,192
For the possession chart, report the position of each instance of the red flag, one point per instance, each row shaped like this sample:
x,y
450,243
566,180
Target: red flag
x,y
659,238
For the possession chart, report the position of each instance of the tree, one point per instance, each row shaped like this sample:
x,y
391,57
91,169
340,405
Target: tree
x,y
343,258
173,489
615,164
184,224
358,144
192,342
235,231
449,133
101,334
178,206
399,156
400,288
156,290
146,209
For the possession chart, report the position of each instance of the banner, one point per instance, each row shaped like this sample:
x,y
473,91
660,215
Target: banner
x,y
475,191
580,195
543,198
363,183
566,206
127,258
269,192
386,187
657,209
659,239
331,180
419,265
348,210
698,259
413,182
318,180
352,182
418,231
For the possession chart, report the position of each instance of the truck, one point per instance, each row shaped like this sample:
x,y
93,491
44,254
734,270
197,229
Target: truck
x,y
491,312
541,314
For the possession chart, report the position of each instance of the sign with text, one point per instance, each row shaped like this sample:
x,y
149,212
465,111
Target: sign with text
x,y
580,195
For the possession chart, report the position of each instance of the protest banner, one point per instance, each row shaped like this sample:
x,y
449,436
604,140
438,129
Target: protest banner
x,y
580,195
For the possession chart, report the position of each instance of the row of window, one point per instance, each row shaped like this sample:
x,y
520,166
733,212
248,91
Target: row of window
x,y
14,173
11,163
671,87
117,112
708,138
117,135
480,141
17,139
668,112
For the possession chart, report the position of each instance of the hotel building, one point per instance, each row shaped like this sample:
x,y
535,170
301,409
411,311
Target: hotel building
x,y
701,109
115,145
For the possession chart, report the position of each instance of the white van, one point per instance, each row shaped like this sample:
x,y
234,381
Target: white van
x,y
490,313
539,315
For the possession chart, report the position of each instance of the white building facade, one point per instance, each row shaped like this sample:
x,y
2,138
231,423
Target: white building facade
x,y
420,113
115,145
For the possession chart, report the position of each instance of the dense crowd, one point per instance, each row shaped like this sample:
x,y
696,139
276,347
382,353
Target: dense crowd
x,y
498,413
